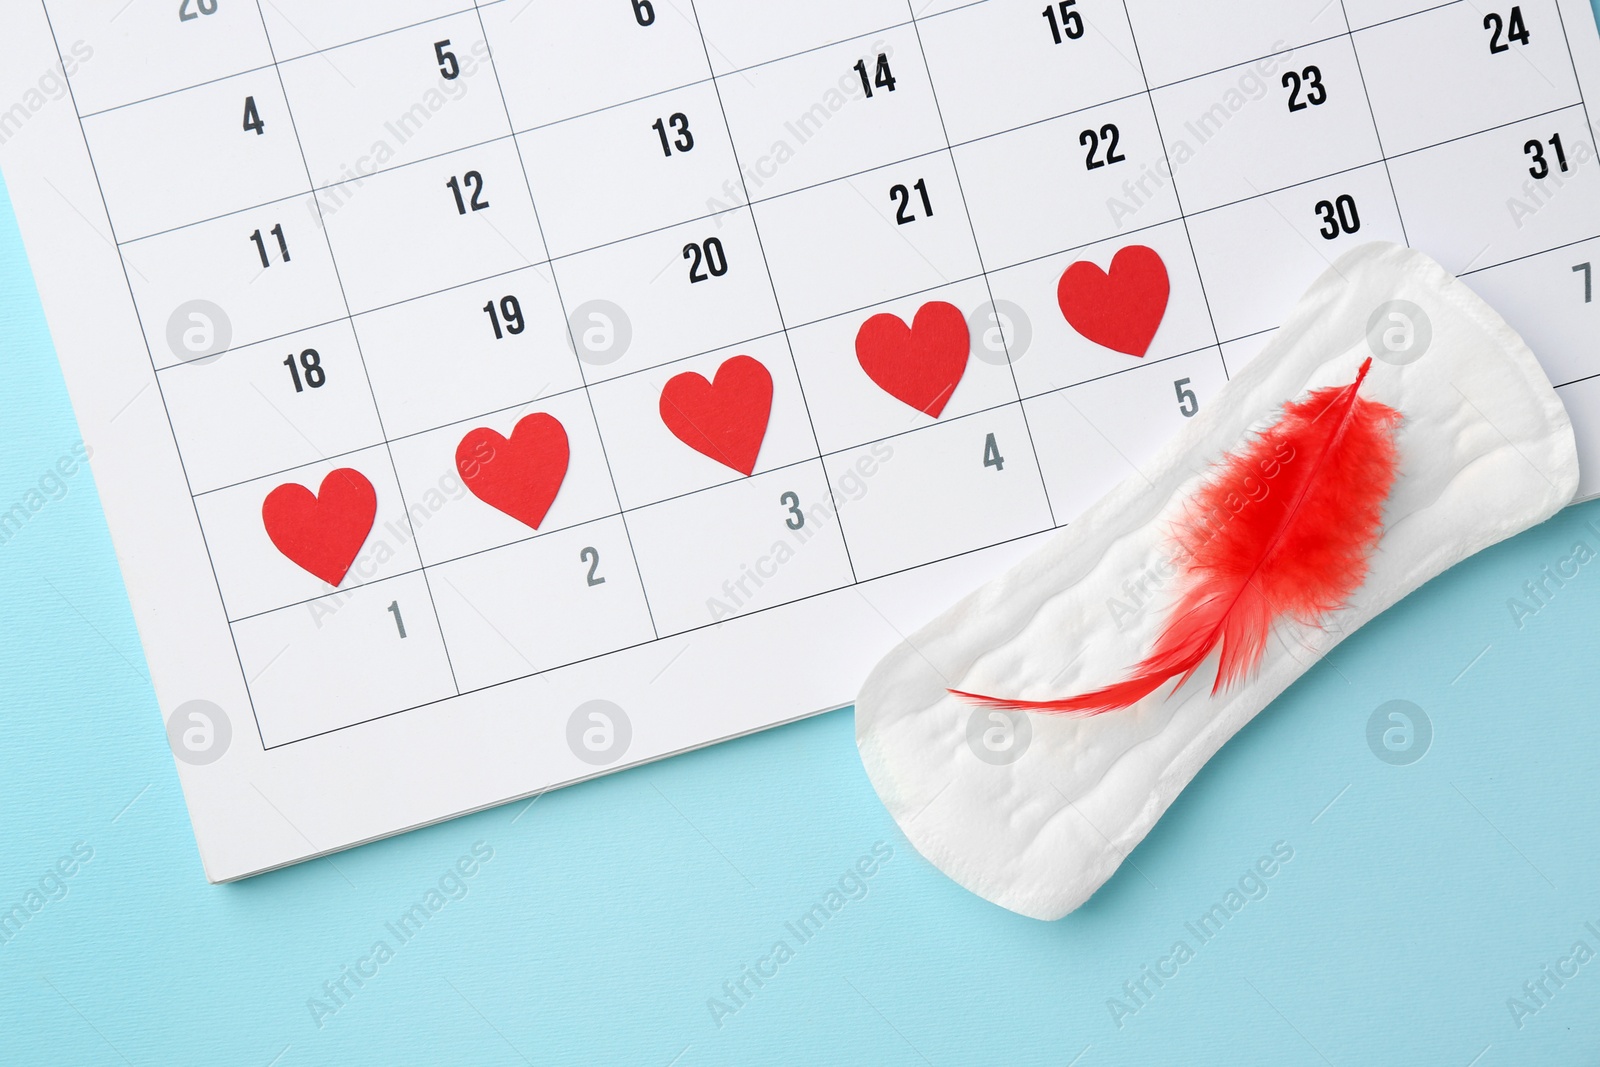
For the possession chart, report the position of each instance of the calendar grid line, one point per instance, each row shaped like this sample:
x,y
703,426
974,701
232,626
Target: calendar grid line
x,y
333,261
1355,50
824,455
772,284
1177,195
988,286
1572,61
675,635
166,411
566,315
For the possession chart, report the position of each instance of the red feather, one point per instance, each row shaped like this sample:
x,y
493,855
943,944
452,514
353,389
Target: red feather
x,y
1284,527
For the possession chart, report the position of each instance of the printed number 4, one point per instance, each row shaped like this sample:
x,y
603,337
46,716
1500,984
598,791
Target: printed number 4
x,y
991,454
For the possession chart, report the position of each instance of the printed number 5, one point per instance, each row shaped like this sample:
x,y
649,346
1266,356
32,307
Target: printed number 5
x,y
797,518
1188,403
449,66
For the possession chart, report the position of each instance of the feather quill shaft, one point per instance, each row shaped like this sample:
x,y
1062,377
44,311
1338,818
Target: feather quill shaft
x,y
1285,526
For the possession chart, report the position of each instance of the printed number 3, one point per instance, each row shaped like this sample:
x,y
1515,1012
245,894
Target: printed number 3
x,y
797,518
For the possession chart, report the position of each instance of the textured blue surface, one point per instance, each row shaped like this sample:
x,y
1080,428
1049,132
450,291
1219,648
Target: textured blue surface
x,y
1418,902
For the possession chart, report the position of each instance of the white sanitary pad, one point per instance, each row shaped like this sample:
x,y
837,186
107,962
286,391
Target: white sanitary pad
x,y
1034,812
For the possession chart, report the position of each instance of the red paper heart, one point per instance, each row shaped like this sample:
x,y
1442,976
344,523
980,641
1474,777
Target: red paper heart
x,y
1121,310
520,476
920,364
322,533
725,418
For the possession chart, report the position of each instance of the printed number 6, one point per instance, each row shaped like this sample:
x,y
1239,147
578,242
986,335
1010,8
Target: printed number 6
x,y
797,518
1188,403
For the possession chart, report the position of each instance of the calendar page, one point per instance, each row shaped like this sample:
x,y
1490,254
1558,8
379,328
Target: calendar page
x,y
485,396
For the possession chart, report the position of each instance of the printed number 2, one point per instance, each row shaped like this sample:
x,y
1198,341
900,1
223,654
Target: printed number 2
x,y
1504,29
797,518
1188,403
591,556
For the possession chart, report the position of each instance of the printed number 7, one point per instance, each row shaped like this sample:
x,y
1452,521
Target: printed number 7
x,y
1588,281
1188,403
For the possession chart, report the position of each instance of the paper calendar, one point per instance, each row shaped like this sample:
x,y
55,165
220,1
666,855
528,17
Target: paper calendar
x,y
487,396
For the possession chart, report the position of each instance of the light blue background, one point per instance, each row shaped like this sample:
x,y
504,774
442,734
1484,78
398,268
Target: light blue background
x,y
1413,908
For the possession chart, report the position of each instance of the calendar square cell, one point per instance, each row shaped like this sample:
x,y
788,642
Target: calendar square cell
x,y
409,231
652,163
666,295
1179,41
1550,299
300,27
1047,353
129,52
254,577
451,522
989,491
1093,436
1044,76
734,549
387,101
540,604
466,351
1474,202
1256,257
556,60
848,408
204,288
869,238
1432,77
1243,131
651,464
809,119
736,41
340,660
224,166
271,406
1071,181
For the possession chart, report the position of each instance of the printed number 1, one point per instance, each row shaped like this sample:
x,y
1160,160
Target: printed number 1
x,y
399,623
1588,281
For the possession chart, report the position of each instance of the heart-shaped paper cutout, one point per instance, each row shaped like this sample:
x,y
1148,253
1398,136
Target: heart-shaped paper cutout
x,y
1121,310
322,533
725,418
520,475
920,364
